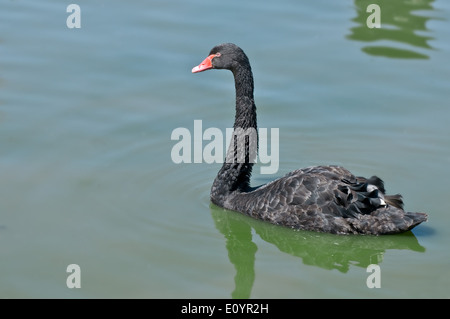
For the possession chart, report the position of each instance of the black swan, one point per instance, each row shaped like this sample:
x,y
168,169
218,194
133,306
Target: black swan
x,y
323,198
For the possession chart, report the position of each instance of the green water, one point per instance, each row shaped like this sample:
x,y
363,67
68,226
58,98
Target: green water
x,y
87,178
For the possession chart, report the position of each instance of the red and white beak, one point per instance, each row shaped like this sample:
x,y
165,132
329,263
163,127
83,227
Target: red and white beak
x,y
205,65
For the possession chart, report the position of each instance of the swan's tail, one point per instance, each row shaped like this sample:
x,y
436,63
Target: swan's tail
x,y
416,218
401,221
410,220
387,220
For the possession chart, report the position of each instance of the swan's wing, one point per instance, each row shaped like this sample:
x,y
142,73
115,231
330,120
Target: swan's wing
x,y
329,190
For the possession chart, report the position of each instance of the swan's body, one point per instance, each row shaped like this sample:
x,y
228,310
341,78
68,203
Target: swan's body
x,y
323,198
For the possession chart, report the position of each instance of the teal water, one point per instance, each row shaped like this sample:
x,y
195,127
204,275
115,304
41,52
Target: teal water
x,y
87,178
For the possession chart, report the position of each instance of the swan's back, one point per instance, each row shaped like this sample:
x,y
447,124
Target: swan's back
x,y
327,199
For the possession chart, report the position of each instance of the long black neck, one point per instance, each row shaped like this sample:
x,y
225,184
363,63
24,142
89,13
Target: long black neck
x,y
236,171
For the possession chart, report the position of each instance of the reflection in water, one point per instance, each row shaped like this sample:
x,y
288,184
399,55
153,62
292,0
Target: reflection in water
x,y
324,250
398,24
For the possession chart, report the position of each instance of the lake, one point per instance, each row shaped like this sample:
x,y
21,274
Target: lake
x,y
87,176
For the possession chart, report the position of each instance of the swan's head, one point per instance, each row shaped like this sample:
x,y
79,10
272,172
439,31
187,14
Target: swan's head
x,y
223,56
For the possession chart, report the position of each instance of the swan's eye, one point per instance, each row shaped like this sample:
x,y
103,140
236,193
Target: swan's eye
x,y
218,54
